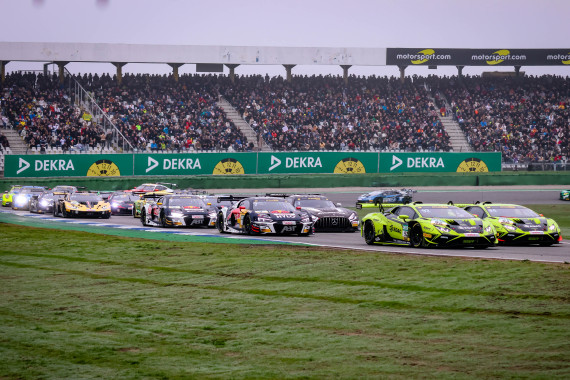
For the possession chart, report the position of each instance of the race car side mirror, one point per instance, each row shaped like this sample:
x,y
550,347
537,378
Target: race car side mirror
x,y
338,204
159,203
298,207
242,207
403,217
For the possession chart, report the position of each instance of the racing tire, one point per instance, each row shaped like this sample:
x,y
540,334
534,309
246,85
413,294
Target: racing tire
x,y
369,233
417,237
163,220
247,225
220,223
54,211
143,218
64,213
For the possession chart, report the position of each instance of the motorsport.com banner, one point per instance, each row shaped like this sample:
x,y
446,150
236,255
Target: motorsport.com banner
x,y
477,57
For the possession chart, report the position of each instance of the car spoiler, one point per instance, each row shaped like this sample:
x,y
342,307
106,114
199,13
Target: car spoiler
x,y
230,198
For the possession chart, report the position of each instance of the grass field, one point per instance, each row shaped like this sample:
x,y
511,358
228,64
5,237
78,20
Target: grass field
x,y
82,305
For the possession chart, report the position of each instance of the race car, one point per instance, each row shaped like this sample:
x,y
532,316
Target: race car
x,y
149,187
21,201
8,196
388,196
43,203
178,210
68,189
426,225
517,224
565,195
122,202
150,197
327,216
263,215
82,204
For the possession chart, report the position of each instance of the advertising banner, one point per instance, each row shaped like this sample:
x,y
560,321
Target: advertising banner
x,y
469,162
477,57
317,162
115,165
68,165
195,163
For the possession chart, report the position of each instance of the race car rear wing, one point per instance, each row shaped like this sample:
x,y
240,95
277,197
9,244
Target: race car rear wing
x,y
230,198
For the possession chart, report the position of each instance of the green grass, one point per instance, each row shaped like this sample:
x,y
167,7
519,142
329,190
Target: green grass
x,y
82,305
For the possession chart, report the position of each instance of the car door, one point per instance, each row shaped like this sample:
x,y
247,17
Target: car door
x,y
397,227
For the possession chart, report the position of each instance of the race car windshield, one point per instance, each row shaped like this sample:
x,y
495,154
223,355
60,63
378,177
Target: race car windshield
x,y
272,206
444,213
186,202
512,212
125,197
86,198
28,191
314,203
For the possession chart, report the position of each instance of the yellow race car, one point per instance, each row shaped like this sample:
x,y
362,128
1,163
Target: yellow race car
x,y
82,205
8,196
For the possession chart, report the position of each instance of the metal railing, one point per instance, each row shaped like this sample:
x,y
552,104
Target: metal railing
x,y
83,99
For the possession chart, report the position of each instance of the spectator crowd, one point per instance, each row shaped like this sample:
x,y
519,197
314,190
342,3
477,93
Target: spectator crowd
x,y
526,118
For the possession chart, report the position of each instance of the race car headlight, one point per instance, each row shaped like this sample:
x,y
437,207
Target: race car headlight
x,y
20,199
306,219
44,203
509,227
176,214
213,215
353,217
115,204
505,221
488,229
552,227
438,222
443,229
73,204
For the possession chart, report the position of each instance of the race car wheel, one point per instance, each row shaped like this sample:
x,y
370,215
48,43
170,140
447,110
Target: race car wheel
x,y
64,212
106,216
247,225
417,237
369,233
55,210
143,217
163,220
220,223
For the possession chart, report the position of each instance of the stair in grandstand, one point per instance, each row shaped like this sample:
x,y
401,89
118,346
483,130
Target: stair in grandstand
x,y
17,143
240,123
457,138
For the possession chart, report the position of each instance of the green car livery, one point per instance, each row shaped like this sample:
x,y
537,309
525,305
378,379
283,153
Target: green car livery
x,y
8,197
565,195
517,224
426,225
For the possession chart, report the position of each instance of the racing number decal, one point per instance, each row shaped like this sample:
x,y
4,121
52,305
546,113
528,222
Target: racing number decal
x,y
228,166
103,168
349,165
472,164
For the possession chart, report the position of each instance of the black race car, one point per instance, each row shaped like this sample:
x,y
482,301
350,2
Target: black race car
x,y
178,210
44,202
326,215
263,215
122,202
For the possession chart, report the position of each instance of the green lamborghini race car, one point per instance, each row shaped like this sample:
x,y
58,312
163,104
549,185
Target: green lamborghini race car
x,y
426,225
565,195
517,224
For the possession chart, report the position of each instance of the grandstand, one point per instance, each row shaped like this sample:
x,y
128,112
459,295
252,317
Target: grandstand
x,y
525,118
